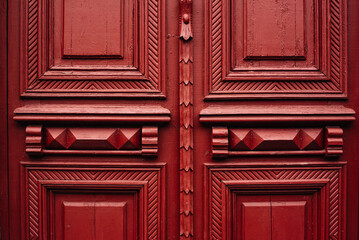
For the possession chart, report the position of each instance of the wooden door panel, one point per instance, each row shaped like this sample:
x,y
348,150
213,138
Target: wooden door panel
x,y
270,216
275,49
111,48
94,220
311,198
149,120
57,195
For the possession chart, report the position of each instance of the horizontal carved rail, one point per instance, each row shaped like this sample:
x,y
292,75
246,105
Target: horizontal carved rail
x,y
227,142
92,140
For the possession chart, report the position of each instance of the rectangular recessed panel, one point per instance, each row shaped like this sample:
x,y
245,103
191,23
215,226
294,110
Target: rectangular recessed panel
x,y
274,29
110,220
79,220
288,220
93,28
94,220
256,221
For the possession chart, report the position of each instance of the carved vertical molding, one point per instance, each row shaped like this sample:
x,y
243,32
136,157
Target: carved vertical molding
x,y
186,120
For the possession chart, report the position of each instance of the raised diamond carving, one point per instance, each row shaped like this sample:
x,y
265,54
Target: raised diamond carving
x,y
252,140
129,138
237,136
59,138
309,139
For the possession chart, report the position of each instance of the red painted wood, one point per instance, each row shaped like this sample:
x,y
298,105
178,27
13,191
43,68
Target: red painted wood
x,y
93,28
256,220
184,78
94,220
274,30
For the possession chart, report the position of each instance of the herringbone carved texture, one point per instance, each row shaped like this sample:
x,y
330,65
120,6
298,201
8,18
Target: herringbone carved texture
x,y
36,177
330,177
257,78
46,77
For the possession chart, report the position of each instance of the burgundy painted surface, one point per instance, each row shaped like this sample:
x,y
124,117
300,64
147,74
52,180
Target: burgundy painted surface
x,y
183,119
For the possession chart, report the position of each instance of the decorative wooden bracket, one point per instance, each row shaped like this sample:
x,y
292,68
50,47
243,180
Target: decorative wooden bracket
x,y
86,140
186,19
334,141
276,141
289,130
92,129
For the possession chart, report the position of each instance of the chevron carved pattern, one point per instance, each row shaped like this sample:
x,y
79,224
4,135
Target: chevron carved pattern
x,y
335,41
186,120
335,198
226,81
32,38
140,78
150,175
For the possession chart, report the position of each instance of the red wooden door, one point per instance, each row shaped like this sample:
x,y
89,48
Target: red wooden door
x,y
181,119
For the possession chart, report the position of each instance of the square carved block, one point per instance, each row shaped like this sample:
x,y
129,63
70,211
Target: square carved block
x,y
125,202
82,47
250,202
276,49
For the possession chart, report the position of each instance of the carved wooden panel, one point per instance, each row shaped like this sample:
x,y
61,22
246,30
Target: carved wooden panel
x,y
314,194
92,140
287,48
131,195
78,48
276,141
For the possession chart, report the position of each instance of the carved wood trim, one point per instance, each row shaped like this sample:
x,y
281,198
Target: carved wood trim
x,y
225,81
93,113
222,181
92,140
33,139
42,78
186,120
148,180
276,141
257,114
334,141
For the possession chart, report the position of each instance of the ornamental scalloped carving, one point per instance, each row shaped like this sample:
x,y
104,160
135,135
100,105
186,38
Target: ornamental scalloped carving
x,y
325,180
125,61
150,180
287,49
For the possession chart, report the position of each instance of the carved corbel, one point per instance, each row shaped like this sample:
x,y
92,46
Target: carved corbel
x,y
149,141
33,139
334,141
220,142
186,19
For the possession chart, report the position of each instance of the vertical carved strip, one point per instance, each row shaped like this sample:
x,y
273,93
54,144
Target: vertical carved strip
x,y
33,139
186,120
32,38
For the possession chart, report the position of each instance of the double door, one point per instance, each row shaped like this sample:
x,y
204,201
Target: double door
x,y
184,119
